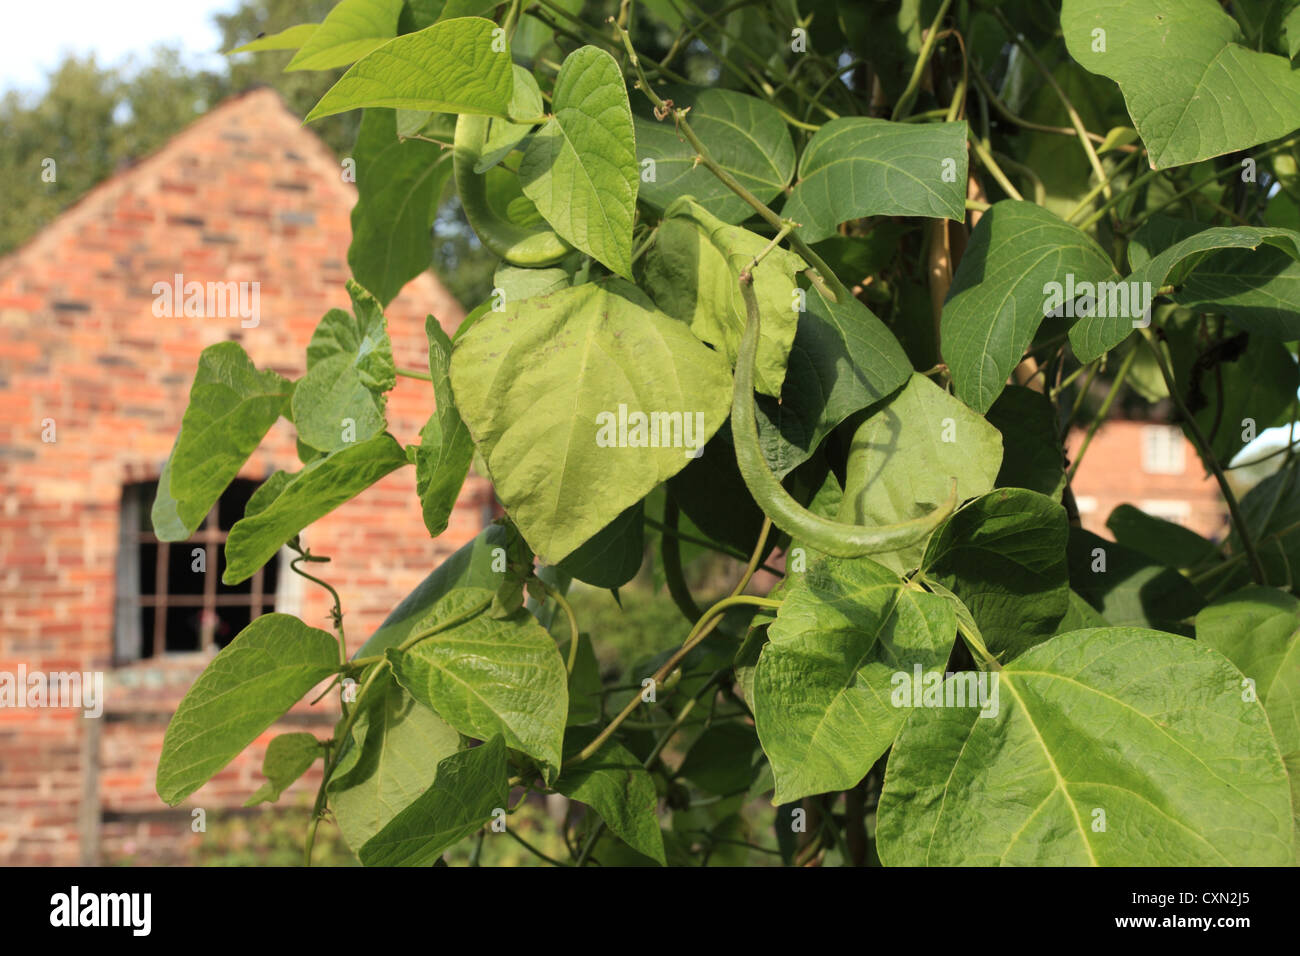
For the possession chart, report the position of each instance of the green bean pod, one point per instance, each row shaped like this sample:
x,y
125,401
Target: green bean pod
x,y
528,246
829,537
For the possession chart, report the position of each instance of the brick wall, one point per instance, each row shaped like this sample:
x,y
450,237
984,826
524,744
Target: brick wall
x,y
244,194
1116,470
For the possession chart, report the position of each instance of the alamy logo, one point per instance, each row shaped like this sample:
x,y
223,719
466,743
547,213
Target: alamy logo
x,y
934,689
103,909
84,691
655,430
197,300
1104,300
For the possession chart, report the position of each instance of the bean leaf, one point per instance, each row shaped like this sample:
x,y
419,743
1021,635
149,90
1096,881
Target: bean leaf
x,y
550,389
249,685
1197,780
454,66
580,168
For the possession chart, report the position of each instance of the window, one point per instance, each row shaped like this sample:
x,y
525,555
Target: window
x,y
170,598
1162,450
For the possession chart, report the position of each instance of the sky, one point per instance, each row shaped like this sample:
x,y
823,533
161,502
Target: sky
x,y
35,36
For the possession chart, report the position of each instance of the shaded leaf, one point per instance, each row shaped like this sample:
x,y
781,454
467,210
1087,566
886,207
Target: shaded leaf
x,y
468,787
614,784
246,688
287,758
392,757
857,166
443,456
1004,556
744,135
999,294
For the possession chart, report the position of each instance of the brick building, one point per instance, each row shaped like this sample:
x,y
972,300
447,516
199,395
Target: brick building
x,y
245,194
1150,466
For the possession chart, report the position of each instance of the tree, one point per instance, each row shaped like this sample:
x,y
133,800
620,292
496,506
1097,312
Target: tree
x,y
819,287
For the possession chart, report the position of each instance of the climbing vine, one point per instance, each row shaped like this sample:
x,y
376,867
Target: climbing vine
x,y
823,288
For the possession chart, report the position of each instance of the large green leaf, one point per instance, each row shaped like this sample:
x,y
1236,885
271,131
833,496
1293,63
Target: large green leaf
x,y
615,785
349,370
1258,629
1250,273
469,786
905,455
443,457
856,166
613,556
1003,555
477,564
1112,747
842,360
540,383
691,272
318,489
1031,443
1272,512
1162,541
287,758
822,690
350,31
1127,587
450,67
1192,89
580,168
399,183
744,135
489,676
1247,272
232,406
1000,293
392,757
249,685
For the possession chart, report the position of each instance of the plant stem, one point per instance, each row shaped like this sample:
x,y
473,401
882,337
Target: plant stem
x,y
1238,520
714,546
655,751
703,627
1075,121
340,739
412,373
908,96
336,612
1101,414
754,558
559,599
986,159
533,850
